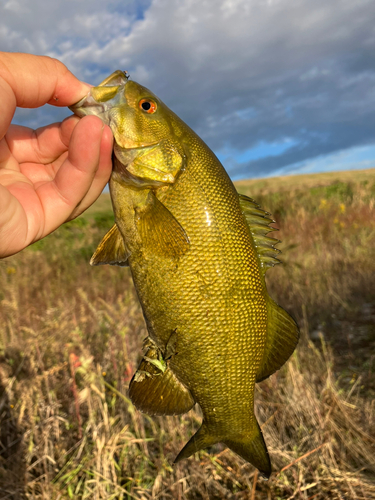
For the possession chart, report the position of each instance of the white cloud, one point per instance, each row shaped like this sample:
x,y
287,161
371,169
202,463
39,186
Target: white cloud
x,y
13,6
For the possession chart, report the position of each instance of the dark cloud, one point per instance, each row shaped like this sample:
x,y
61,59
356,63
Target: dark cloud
x,y
239,72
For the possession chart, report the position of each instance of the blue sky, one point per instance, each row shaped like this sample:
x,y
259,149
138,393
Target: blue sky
x,y
273,86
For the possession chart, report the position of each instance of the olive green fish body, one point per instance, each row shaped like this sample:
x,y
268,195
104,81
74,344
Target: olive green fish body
x,y
213,296
197,253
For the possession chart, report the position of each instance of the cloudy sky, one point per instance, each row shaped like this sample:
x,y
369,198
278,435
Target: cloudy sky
x,y
272,86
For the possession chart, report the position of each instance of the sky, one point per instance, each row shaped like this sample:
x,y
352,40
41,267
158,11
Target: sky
x,y
274,87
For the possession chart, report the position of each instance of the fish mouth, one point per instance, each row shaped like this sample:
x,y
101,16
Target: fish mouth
x,y
98,101
88,106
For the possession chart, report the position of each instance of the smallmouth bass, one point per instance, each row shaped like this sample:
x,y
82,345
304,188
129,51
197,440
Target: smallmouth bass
x,y
198,252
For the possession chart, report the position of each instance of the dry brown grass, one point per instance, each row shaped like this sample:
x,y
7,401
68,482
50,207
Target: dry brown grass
x,y
70,338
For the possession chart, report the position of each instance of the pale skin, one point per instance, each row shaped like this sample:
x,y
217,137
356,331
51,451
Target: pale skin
x,y
50,175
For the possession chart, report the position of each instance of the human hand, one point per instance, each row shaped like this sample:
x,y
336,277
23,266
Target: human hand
x,y
50,175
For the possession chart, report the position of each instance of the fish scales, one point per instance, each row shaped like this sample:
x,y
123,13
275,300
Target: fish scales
x,y
198,266
194,314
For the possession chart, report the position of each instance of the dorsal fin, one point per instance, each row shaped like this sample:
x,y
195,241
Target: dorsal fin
x,y
282,338
259,225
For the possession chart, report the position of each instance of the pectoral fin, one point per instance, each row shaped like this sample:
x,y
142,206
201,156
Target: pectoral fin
x,y
161,231
111,250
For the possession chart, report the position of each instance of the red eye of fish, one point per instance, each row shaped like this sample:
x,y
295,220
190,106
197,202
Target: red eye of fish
x,y
147,105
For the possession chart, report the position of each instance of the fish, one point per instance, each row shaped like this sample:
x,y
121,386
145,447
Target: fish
x,y
198,252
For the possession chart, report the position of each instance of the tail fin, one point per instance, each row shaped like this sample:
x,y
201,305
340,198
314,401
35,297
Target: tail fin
x,y
203,438
249,445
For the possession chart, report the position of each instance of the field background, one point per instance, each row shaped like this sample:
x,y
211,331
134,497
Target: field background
x,y
71,336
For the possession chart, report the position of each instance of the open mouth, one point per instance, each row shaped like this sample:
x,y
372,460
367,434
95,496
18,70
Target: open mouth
x,y
100,99
88,106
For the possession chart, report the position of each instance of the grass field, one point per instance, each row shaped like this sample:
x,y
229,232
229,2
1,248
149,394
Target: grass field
x,y
71,337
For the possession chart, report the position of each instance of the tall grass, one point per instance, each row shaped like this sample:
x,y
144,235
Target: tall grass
x,y
71,336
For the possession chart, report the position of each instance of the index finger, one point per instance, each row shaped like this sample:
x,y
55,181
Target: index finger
x,y
30,81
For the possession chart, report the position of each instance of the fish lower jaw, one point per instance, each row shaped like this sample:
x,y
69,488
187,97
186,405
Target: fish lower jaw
x,y
123,176
88,106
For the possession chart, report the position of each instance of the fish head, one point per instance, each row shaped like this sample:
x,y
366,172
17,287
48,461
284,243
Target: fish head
x,y
148,147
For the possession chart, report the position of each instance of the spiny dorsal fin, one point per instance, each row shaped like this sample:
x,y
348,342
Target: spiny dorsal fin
x,y
111,250
259,225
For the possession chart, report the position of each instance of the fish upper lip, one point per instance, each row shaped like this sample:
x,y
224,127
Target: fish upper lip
x,y
88,101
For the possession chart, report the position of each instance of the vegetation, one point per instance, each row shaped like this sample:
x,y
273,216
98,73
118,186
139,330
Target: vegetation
x,y
71,336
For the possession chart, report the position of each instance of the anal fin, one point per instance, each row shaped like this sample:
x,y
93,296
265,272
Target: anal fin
x,y
282,338
155,389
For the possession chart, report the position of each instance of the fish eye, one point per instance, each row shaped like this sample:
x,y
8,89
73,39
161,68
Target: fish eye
x,y
147,105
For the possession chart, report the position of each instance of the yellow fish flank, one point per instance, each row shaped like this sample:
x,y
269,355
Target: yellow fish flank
x,y
198,252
